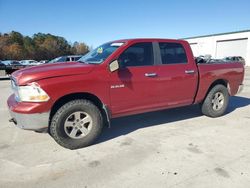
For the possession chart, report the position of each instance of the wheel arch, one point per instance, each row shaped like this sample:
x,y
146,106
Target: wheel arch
x,y
88,96
217,82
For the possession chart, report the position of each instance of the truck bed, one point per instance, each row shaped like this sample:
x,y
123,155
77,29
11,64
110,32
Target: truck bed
x,y
232,74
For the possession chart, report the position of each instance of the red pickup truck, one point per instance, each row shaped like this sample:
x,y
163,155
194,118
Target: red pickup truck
x,y
74,100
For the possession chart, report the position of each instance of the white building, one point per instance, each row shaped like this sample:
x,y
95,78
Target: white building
x,y
222,45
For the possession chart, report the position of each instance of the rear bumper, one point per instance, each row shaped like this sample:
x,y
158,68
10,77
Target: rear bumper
x,y
26,120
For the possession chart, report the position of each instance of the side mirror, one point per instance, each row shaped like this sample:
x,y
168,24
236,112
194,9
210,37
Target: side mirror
x,y
113,66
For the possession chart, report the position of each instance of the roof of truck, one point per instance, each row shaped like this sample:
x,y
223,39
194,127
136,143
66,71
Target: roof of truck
x,y
144,39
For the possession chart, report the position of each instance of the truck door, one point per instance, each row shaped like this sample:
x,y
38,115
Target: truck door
x,y
133,85
177,75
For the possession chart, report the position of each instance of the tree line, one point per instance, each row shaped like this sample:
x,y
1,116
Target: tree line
x,y
15,46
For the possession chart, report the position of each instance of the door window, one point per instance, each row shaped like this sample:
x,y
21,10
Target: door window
x,y
172,53
140,54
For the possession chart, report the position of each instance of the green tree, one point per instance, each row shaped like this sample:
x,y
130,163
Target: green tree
x,y
80,48
4,42
14,45
16,37
29,47
13,51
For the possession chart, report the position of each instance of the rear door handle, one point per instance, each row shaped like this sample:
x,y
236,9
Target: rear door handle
x,y
150,74
189,71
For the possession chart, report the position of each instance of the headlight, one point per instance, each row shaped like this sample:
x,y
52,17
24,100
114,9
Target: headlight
x,y
31,93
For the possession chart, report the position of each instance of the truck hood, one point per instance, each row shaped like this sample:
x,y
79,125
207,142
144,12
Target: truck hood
x,y
35,73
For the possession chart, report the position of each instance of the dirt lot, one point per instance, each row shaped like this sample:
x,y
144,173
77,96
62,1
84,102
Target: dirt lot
x,y
170,148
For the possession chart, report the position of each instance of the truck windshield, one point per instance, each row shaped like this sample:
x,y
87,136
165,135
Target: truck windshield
x,y
101,53
58,59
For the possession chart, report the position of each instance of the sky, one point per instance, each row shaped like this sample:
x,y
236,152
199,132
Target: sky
x,y
95,22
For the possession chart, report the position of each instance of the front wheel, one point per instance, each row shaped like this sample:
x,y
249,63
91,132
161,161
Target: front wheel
x,y
216,101
76,124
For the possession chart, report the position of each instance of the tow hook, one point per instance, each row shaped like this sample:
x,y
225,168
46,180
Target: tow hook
x,y
12,120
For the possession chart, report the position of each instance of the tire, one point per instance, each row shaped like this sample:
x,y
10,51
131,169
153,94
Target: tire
x,y
76,124
216,101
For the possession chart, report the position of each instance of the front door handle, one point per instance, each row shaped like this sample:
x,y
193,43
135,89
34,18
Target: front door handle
x,y
150,74
189,71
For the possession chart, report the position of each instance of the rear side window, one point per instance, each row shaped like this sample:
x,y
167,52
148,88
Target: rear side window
x,y
172,53
140,54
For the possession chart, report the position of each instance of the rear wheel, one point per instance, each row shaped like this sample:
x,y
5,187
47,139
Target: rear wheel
x,y
76,124
216,101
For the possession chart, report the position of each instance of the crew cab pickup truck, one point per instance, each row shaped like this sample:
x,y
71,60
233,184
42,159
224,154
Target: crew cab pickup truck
x,y
74,100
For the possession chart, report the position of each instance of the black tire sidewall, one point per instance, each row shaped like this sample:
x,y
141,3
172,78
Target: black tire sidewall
x,y
207,107
57,125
